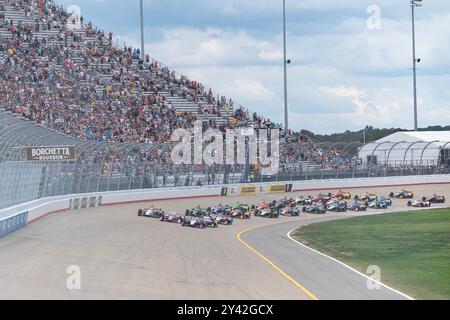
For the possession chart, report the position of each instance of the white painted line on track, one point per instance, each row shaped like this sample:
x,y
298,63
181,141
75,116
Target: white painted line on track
x,y
346,266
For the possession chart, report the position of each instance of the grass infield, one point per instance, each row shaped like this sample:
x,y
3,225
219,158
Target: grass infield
x,y
412,248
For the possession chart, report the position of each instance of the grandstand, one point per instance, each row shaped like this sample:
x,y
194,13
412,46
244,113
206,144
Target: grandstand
x,y
93,64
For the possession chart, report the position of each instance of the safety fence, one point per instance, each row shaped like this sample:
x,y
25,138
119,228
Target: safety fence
x,y
16,217
105,166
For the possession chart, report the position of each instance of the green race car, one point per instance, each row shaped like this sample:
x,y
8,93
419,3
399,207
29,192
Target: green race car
x,y
314,209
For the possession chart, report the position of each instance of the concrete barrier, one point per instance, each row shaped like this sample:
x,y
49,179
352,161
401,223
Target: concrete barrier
x,y
13,223
317,185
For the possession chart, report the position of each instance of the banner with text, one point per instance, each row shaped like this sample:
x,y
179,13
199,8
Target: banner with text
x,y
66,153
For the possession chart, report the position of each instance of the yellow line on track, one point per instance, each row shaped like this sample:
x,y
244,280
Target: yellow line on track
x,y
273,265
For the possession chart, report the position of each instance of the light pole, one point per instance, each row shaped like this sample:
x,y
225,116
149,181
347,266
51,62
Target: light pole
x,y
414,4
142,31
285,63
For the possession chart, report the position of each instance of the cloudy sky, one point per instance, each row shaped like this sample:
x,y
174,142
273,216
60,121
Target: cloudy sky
x,y
350,69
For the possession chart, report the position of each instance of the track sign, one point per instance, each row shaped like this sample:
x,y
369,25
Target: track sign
x,y
248,190
277,188
65,153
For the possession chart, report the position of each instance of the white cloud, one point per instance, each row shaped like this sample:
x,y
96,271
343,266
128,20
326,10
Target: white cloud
x,y
343,91
349,77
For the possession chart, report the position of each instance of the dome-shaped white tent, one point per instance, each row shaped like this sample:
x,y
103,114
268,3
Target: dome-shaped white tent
x,y
408,148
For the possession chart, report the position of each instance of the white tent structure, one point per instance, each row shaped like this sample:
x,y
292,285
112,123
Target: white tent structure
x,y
408,148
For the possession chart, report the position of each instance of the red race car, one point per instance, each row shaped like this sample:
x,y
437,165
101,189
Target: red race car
x,y
172,217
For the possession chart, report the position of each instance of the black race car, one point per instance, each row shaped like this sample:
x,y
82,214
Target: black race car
x,y
436,199
151,213
194,222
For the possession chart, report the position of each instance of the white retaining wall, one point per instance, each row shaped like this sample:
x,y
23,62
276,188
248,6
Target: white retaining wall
x,y
371,182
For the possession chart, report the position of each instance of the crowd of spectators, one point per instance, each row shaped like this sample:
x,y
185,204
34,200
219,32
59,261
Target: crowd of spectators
x,y
75,81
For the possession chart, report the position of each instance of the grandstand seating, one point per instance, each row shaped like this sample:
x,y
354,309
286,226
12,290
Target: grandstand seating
x,y
95,80
104,69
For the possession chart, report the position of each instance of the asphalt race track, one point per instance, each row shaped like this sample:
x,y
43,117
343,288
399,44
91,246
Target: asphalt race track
x,y
122,256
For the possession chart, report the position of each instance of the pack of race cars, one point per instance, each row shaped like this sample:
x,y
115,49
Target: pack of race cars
x,y
290,207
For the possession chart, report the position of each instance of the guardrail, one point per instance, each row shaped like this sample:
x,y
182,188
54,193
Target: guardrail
x,y
16,217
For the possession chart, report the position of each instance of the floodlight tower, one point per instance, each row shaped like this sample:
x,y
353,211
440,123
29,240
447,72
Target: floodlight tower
x,y
142,31
414,4
285,63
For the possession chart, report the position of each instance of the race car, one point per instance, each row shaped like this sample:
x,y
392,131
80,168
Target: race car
x,y
277,205
196,212
402,195
341,195
288,202
419,203
172,217
366,197
194,222
436,199
337,207
263,205
210,221
220,209
268,212
150,212
240,211
304,201
290,211
222,218
378,204
314,209
388,200
332,201
357,206
322,198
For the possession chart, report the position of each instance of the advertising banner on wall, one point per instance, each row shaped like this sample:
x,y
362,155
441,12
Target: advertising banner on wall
x,y
12,224
277,188
248,190
64,153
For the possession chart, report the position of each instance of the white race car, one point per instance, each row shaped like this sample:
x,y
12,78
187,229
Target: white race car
x,y
419,204
151,212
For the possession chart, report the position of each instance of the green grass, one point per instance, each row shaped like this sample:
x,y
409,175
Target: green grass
x,y
412,249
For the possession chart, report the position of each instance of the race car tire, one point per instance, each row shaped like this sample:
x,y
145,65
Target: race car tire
x,y
140,212
409,204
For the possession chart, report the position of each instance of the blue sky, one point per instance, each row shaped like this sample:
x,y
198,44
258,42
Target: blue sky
x,y
345,74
